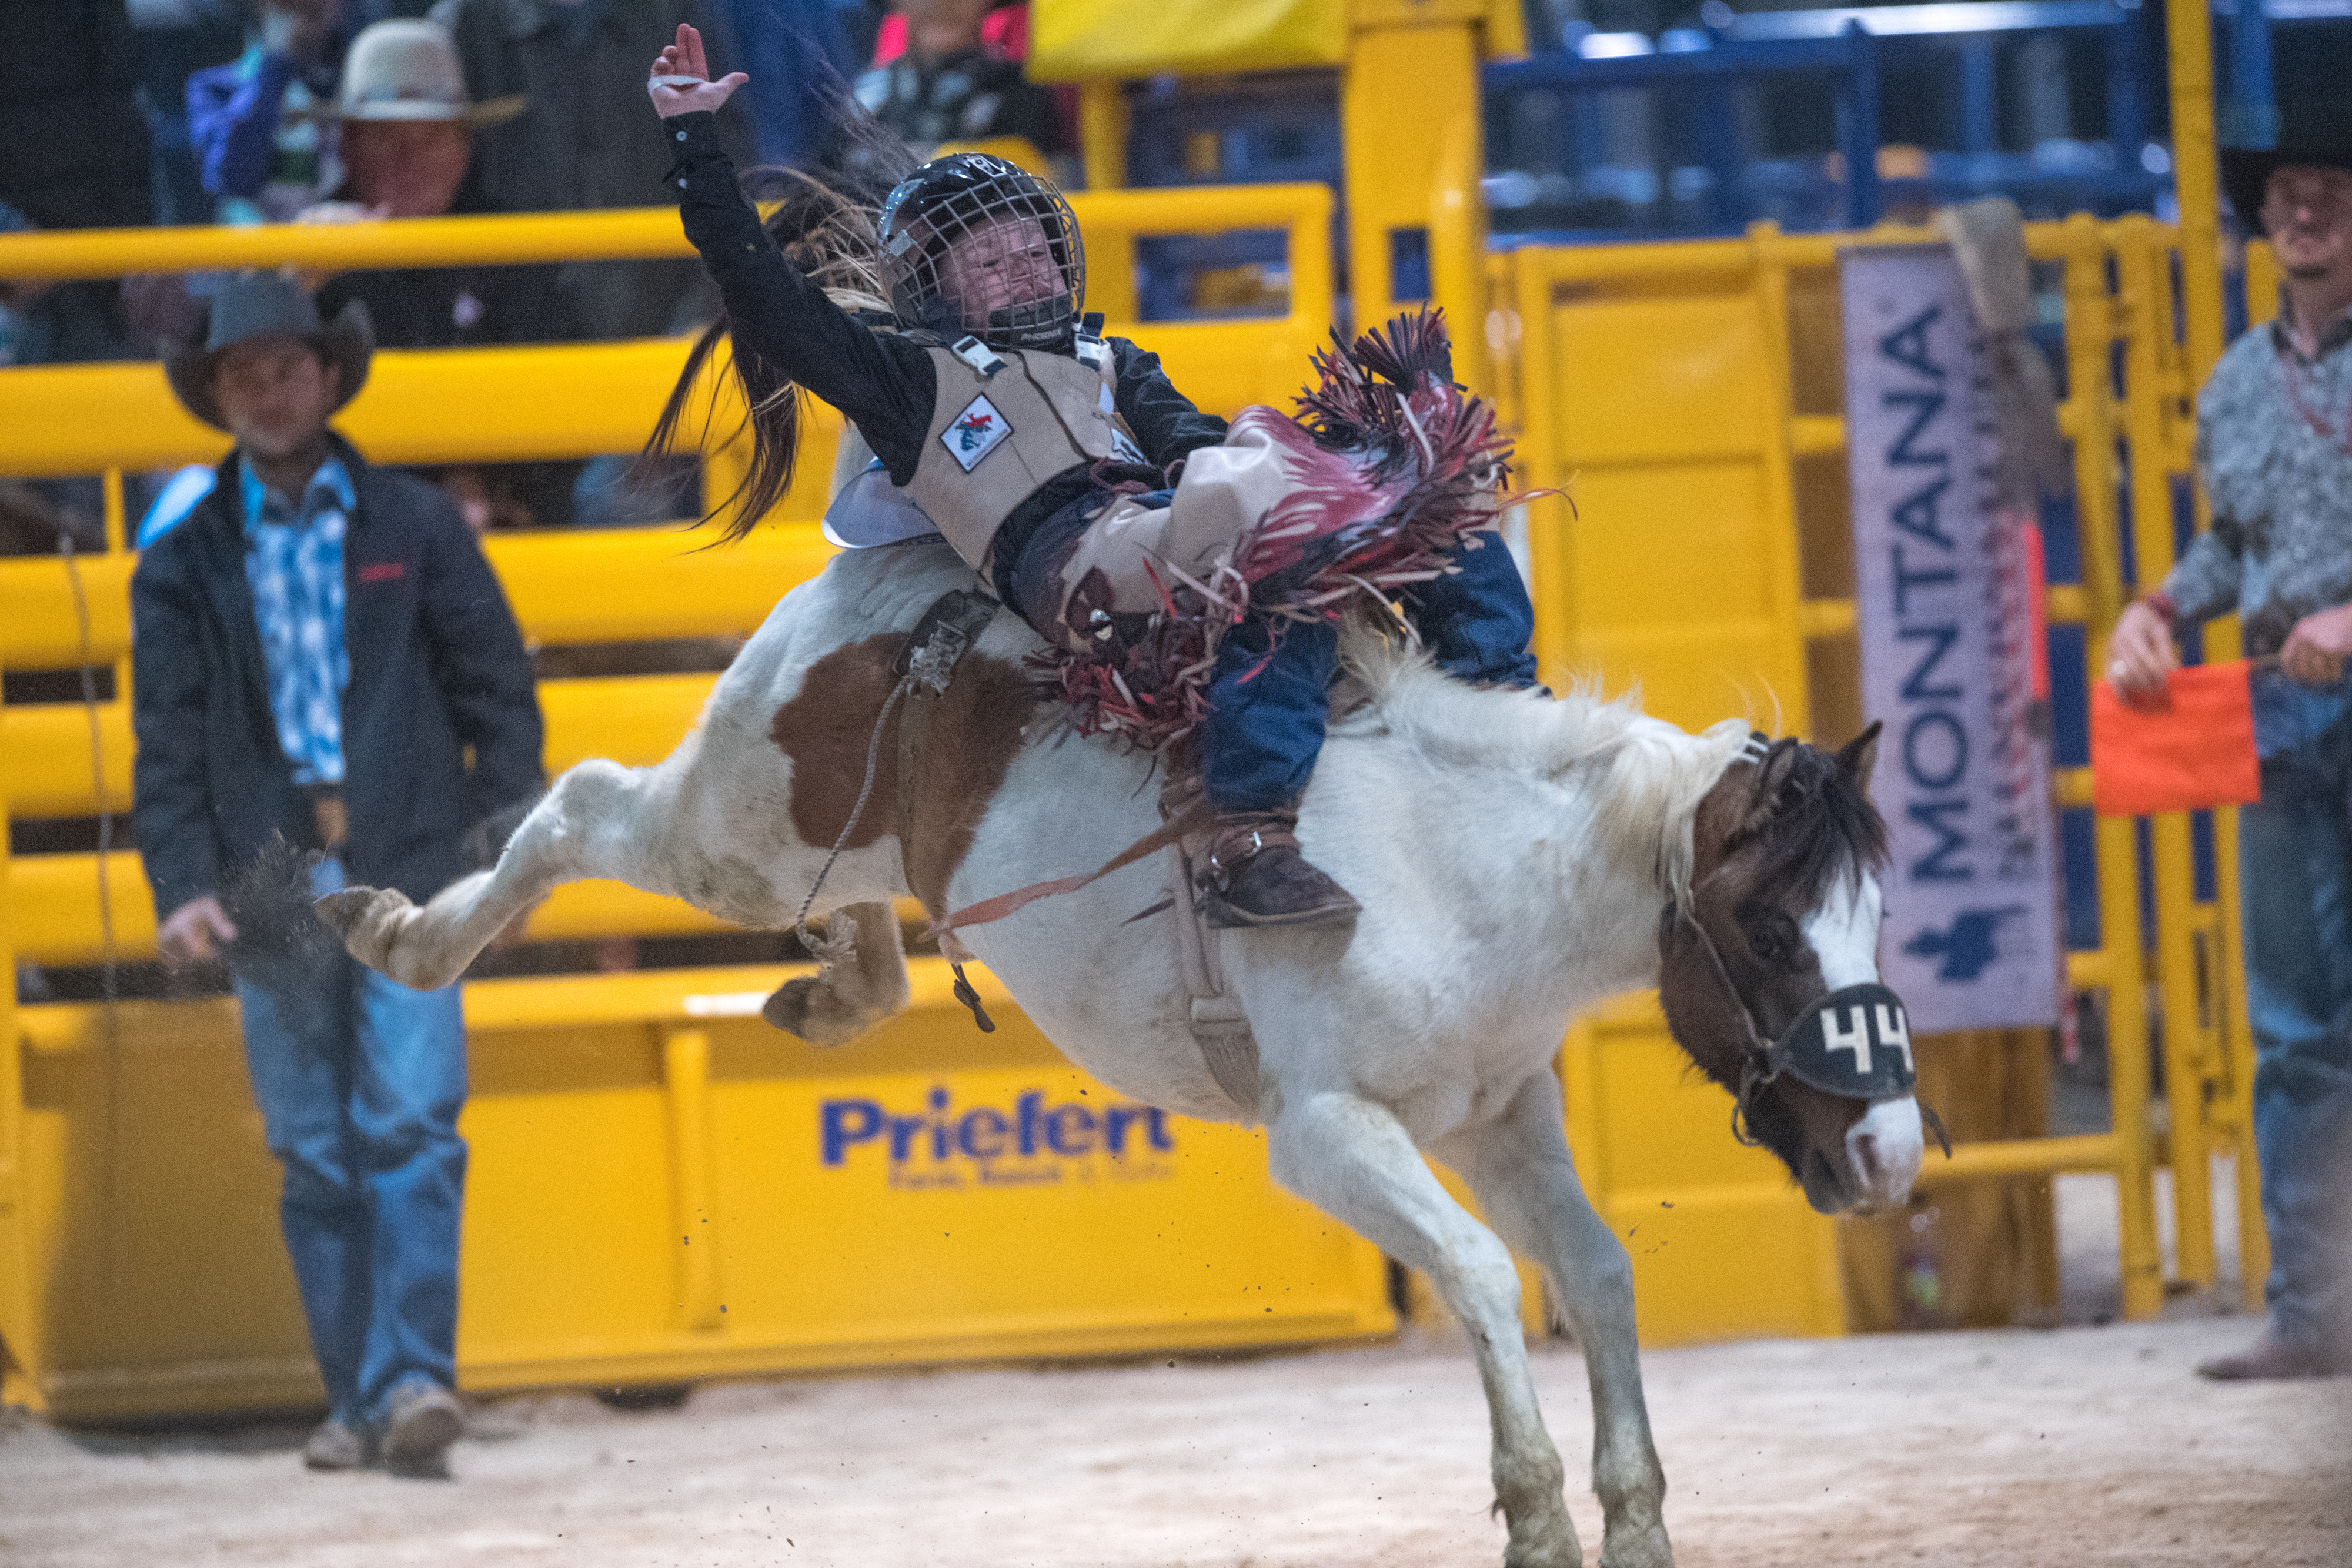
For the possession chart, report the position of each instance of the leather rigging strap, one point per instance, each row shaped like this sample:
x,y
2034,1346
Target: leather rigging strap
x,y
926,668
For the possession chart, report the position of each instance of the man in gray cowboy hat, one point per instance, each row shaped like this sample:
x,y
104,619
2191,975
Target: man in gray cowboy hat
x,y
2275,441
316,649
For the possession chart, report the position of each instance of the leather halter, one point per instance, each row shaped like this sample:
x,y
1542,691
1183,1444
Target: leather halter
x,y
1795,1052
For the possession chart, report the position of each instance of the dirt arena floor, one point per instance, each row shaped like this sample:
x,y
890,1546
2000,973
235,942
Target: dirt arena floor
x,y
2048,1449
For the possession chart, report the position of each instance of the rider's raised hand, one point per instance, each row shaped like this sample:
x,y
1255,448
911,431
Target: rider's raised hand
x,y
681,81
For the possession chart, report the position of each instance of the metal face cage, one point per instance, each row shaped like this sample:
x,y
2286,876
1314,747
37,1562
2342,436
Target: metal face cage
x,y
978,246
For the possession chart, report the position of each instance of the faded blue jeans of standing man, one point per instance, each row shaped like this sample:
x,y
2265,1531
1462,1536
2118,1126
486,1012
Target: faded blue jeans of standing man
x,y
359,1081
2295,876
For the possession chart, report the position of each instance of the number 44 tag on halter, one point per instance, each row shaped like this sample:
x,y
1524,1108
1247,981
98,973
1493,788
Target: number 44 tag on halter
x,y
974,433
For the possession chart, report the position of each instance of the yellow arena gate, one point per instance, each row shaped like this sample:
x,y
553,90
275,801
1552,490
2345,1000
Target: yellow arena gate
x,y
1708,555
662,1187
651,1196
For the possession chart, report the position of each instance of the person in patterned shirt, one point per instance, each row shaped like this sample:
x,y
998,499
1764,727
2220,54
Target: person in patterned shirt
x,y
314,651
2275,446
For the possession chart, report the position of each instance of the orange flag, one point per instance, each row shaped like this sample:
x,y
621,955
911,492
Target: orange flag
x,y
2198,752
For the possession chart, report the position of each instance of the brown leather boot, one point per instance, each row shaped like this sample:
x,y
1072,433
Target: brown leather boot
x,y
1253,875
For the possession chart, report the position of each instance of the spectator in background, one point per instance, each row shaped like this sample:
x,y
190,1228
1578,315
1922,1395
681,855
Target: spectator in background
x,y
2275,441
405,128
321,652
800,54
262,153
55,322
173,40
407,136
580,65
949,70
73,144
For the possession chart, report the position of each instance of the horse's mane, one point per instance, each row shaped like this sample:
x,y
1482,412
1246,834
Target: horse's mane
x,y
1655,774
1838,835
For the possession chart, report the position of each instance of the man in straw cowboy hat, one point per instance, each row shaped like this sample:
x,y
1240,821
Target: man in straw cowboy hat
x,y
407,138
2275,440
316,649
407,123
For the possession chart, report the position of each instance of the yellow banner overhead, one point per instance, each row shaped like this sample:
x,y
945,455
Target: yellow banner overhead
x,y
1071,41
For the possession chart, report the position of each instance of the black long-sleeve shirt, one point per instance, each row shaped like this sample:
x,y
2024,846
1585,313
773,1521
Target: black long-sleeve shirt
x,y
881,382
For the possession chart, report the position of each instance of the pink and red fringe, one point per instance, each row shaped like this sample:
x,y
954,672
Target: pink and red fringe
x,y
1401,463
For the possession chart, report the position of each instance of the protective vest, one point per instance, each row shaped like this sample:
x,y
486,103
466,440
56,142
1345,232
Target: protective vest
x,y
1006,421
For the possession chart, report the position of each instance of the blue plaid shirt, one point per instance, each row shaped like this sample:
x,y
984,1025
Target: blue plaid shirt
x,y
294,564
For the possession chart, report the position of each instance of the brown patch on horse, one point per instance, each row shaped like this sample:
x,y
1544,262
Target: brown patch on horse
x,y
828,726
972,740
826,729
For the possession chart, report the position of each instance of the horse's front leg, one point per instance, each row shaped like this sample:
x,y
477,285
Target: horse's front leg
x,y
1353,1158
1518,1166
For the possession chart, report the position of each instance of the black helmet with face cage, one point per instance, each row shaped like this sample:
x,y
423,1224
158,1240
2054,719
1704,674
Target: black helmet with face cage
x,y
950,198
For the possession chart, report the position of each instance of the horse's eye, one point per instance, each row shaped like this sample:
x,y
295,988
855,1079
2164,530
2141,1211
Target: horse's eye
x,y
1770,936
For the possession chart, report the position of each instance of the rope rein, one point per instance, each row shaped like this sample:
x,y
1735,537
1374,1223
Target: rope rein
x,y
864,792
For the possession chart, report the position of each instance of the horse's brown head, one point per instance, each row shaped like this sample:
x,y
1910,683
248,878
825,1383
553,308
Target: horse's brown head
x,y
1769,972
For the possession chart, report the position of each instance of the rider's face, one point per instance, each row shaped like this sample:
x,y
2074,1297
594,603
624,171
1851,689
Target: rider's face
x,y
1003,263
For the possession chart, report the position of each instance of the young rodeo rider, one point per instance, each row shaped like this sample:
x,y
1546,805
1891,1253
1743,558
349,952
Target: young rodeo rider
x,y
1042,452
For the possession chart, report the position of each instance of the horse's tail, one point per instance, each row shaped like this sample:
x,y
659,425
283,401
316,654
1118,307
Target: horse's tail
x,y
832,236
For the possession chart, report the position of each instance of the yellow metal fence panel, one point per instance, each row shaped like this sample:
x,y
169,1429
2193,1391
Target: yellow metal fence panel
x,y
1071,41
650,1195
1686,398
982,1199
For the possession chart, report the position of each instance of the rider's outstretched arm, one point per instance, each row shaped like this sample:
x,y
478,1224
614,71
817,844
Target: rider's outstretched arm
x,y
776,315
880,381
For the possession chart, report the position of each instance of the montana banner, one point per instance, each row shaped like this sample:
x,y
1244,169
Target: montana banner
x,y
1945,583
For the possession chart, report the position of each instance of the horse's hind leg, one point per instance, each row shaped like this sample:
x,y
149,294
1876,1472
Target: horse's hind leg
x,y
861,979
595,822
1520,1169
1354,1159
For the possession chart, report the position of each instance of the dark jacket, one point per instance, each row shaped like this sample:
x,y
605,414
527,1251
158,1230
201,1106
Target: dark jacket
x,y
437,665
456,307
588,138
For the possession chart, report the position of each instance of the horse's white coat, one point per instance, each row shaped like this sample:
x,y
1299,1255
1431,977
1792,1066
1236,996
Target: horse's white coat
x,y
1511,854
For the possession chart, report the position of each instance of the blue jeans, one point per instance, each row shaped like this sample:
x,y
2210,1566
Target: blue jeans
x,y
2295,877
359,1081
1270,694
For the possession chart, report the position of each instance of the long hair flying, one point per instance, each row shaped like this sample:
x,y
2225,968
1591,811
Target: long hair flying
x,y
832,238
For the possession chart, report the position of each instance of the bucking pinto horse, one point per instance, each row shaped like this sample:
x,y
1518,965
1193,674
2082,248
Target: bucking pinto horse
x,y
1518,859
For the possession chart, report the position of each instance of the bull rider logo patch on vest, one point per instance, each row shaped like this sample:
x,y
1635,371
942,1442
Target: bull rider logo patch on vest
x,y
974,433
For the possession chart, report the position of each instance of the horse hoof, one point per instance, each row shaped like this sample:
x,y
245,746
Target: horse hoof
x,y
1644,1548
1552,1546
342,910
808,1008
365,918
1546,1555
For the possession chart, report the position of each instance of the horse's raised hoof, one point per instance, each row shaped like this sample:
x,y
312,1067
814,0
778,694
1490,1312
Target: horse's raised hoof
x,y
365,918
809,1007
